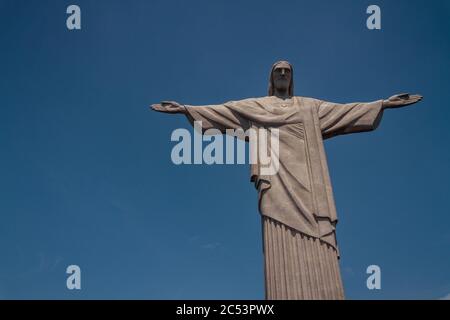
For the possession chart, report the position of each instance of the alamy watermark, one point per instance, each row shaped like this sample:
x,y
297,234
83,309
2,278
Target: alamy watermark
x,y
73,21
74,280
264,147
374,280
374,20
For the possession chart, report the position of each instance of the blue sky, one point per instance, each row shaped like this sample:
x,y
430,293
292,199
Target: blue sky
x,y
85,170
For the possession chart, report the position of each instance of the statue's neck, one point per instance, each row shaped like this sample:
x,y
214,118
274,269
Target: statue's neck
x,y
282,94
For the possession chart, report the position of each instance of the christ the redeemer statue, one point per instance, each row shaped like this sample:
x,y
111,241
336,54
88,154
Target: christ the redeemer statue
x,y
296,203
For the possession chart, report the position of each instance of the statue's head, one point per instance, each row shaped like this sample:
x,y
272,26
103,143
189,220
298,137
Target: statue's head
x,y
281,78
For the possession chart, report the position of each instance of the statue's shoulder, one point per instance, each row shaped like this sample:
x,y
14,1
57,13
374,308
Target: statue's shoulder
x,y
249,101
259,99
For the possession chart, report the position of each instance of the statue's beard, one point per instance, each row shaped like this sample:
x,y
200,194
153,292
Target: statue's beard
x,y
282,85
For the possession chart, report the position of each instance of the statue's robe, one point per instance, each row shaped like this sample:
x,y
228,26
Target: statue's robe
x,y
296,203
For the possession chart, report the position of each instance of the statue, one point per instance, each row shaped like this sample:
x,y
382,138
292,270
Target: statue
x,y
296,204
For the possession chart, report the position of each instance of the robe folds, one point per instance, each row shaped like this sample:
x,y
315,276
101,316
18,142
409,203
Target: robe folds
x,y
299,195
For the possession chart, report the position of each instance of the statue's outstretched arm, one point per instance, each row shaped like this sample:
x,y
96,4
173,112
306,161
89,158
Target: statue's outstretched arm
x,y
337,119
220,117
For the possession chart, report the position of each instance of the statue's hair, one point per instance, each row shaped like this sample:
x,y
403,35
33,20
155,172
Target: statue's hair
x,y
271,85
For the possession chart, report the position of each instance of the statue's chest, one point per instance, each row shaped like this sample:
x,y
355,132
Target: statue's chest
x,y
289,115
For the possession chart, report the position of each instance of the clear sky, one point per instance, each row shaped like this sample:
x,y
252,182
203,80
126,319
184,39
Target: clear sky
x,y
85,171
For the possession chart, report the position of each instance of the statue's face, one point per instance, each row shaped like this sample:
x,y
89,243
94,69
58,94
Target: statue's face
x,y
282,75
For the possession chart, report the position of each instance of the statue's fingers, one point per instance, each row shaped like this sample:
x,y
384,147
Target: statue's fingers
x,y
410,101
394,97
414,99
158,107
169,103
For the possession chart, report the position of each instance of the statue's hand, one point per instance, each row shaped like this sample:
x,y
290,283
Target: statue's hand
x,y
169,107
401,100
